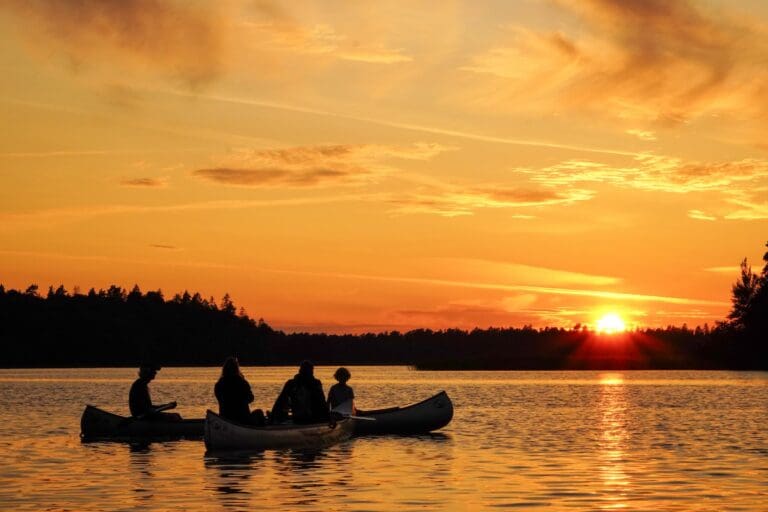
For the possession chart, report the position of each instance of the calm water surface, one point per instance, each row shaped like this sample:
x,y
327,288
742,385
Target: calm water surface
x,y
658,441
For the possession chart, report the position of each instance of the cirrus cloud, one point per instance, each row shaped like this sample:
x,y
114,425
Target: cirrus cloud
x,y
655,173
454,201
279,30
144,182
304,166
175,38
652,60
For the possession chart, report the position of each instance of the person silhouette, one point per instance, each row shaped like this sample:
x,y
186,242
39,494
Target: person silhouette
x,y
140,401
341,392
303,397
234,394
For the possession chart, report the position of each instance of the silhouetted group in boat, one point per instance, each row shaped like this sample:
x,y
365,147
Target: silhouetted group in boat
x,y
301,400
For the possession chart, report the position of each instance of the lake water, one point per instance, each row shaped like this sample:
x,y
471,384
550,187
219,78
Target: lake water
x,y
658,441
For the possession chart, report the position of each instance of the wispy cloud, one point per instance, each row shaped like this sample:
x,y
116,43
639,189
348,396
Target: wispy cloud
x,y
733,269
748,208
305,166
435,130
146,182
463,315
655,172
544,290
642,134
474,269
651,60
278,29
323,40
453,201
700,215
48,217
175,38
164,247
110,259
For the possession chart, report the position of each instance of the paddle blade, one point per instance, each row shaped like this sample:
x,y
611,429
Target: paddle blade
x,y
344,408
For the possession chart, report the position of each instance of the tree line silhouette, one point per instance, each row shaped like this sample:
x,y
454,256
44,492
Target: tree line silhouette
x,y
117,327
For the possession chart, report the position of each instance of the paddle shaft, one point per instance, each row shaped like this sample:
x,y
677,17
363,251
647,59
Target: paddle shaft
x,y
345,410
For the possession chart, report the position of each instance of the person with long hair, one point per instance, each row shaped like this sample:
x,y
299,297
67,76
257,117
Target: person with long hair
x,y
234,395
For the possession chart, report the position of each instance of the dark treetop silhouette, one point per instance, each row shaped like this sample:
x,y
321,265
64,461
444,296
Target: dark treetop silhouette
x,y
115,327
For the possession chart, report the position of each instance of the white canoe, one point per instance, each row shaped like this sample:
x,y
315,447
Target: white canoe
x,y
221,434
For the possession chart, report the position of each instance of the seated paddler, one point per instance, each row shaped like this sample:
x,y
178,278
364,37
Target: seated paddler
x,y
235,396
303,397
140,402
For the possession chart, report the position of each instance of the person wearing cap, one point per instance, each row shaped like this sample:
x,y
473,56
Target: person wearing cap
x,y
140,402
341,392
303,397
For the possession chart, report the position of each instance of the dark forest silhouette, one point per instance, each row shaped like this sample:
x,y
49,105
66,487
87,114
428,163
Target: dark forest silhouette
x,y
116,327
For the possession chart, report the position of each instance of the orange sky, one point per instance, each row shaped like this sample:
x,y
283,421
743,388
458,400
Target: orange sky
x,y
352,166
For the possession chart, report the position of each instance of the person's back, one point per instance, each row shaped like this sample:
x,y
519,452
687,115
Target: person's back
x,y
233,393
341,392
303,396
307,400
139,401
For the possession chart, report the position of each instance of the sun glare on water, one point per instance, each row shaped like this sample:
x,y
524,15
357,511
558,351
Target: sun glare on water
x,y
611,323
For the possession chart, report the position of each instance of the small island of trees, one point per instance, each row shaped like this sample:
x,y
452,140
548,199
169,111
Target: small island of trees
x,y
117,327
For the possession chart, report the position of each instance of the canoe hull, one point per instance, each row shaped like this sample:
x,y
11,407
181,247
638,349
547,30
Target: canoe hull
x,y
431,414
97,424
221,434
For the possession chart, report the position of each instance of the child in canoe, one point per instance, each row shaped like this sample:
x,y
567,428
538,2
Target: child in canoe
x,y
341,392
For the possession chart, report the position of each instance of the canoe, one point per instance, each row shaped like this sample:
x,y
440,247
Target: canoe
x,y
97,424
420,418
222,434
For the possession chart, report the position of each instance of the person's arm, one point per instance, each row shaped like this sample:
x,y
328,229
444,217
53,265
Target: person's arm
x,y
217,390
280,407
248,392
318,400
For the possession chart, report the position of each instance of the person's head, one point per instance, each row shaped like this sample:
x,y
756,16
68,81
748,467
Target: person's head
x,y
307,369
147,371
231,368
342,375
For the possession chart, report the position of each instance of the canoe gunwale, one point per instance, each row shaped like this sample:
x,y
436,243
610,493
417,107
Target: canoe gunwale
x,y
396,408
422,417
223,435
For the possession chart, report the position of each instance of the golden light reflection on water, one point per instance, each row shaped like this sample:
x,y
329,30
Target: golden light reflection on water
x,y
613,439
663,441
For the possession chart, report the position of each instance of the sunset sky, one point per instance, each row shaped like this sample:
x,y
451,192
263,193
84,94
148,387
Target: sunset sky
x,y
369,166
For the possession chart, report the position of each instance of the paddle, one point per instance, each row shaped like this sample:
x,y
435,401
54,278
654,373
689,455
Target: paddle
x,y
159,408
345,409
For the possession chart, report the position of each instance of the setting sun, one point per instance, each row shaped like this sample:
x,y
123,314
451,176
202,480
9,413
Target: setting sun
x,y
610,323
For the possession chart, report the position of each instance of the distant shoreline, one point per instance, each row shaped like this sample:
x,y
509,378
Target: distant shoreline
x,y
411,367
116,328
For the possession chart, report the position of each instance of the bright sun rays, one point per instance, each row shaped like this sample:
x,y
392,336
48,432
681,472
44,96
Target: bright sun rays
x,y
610,323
